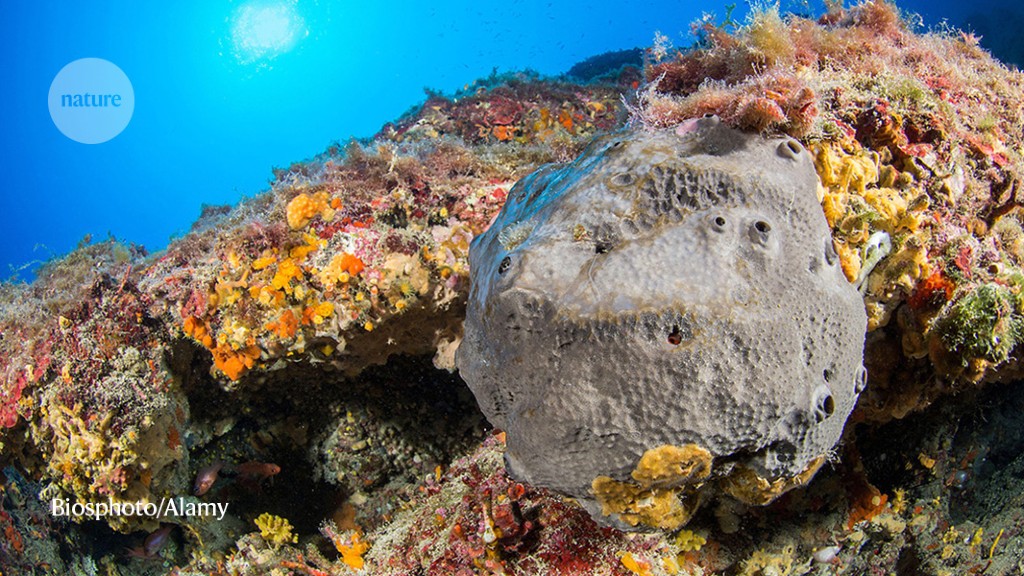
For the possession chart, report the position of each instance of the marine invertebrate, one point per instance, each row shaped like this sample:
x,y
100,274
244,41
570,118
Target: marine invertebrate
x,y
517,108
304,207
688,540
910,137
352,551
234,362
660,491
341,268
705,270
275,529
763,561
326,277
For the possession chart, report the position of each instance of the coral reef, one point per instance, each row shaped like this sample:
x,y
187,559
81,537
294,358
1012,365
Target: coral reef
x,y
290,342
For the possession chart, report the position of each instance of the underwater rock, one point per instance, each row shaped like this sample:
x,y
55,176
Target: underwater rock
x,y
100,419
915,136
665,313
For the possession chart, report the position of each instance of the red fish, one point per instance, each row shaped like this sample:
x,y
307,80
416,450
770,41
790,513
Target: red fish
x,y
257,470
252,474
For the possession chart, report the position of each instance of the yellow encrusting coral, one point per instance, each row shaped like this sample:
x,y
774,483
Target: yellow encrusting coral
x,y
688,540
857,202
656,507
746,486
275,529
669,465
862,196
763,563
663,491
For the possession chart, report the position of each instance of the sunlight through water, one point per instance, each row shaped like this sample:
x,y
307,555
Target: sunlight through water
x,y
262,30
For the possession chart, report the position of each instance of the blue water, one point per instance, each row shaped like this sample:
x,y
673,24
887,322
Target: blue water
x,y
211,119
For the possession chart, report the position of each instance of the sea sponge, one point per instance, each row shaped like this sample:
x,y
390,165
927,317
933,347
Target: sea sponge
x,y
305,207
673,315
234,363
352,553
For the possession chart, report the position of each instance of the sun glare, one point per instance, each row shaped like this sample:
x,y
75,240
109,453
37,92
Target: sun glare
x,y
263,30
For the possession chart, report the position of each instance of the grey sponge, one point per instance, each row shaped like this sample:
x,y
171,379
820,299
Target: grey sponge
x,y
662,318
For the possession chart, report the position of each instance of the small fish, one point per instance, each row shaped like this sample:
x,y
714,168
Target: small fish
x,y
205,478
257,470
156,540
152,544
252,474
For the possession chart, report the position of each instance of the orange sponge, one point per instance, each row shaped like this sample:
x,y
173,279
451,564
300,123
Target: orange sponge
x,y
305,207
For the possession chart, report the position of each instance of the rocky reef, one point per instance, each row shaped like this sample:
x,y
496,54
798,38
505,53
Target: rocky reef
x,y
294,351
